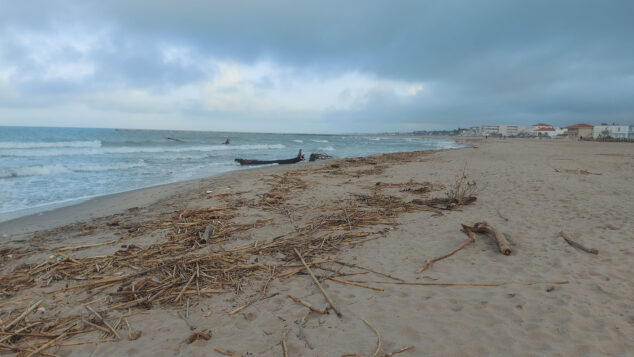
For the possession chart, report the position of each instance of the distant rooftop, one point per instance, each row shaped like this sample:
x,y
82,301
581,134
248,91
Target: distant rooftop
x,y
545,129
542,124
577,126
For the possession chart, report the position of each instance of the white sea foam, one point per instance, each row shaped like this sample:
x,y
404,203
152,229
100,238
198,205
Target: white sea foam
x,y
38,170
54,144
318,141
132,150
45,170
298,141
327,148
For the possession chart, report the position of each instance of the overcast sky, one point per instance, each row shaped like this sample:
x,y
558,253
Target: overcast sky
x,y
318,66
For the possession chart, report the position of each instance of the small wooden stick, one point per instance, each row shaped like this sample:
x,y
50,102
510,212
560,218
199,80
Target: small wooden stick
x,y
470,239
77,343
355,284
226,353
29,310
378,336
368,269
104,321
185,287
84,246
398,351
300,301
284,347
69,258
332,304
46,345
578,245
100,328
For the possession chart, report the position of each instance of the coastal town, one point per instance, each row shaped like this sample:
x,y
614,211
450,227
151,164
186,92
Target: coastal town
x,y
581,131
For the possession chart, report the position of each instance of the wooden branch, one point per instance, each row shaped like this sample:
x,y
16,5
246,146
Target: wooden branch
x,y
103,321
484,227
578,245
470,239
378,336
368,269
84,246
467,284
23,315
46,345
226,353
354,284
185,287
284,347
389,354
300,301
332,304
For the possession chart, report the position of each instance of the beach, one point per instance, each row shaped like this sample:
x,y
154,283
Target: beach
x,y
375,214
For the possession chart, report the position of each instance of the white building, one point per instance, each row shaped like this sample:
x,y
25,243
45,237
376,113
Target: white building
x,y
613,131
501,130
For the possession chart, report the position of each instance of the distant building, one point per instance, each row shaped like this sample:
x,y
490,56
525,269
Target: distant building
x,y
499,130
580,130
542,127
613,131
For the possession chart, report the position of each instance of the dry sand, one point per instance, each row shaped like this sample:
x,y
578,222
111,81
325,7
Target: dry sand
x,y
529,189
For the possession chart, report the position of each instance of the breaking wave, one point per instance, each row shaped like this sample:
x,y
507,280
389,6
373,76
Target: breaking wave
x,y
130,150
53,144
45,170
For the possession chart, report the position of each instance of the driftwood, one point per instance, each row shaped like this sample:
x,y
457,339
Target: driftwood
x,y
578,245
318,156
470,239
483,227
294,160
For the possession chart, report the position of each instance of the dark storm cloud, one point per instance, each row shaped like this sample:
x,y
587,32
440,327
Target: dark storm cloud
x,y
480,61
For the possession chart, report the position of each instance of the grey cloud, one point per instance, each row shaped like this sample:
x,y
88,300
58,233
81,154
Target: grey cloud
x,y
485,61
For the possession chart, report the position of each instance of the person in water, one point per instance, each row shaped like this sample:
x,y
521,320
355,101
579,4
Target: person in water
x,y
227,141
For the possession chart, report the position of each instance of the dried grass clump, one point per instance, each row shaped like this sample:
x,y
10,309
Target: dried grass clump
x,y
463,189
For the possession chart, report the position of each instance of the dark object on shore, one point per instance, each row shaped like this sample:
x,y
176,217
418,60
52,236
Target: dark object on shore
x,y
174,139
447,203
318,156
294,160
227,142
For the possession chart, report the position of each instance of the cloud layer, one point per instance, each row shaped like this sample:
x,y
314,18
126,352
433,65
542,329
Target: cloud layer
x,y
315,67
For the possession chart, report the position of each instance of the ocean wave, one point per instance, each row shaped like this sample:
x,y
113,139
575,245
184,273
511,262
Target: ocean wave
x,y
298,141
132,150
45,170
54,144
327,148
38,170
318,141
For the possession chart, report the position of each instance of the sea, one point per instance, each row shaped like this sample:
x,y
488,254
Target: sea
x,y
43,168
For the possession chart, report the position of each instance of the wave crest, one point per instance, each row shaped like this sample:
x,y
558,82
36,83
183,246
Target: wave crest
x,y
53,144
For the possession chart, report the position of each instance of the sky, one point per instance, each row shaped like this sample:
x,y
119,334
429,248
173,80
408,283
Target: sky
x,y
315,66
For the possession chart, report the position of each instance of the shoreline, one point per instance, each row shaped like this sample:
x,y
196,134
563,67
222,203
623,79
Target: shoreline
x,y
81,208
547,297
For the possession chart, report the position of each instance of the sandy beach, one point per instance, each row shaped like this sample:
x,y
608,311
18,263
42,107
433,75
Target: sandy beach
x,y
216,257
